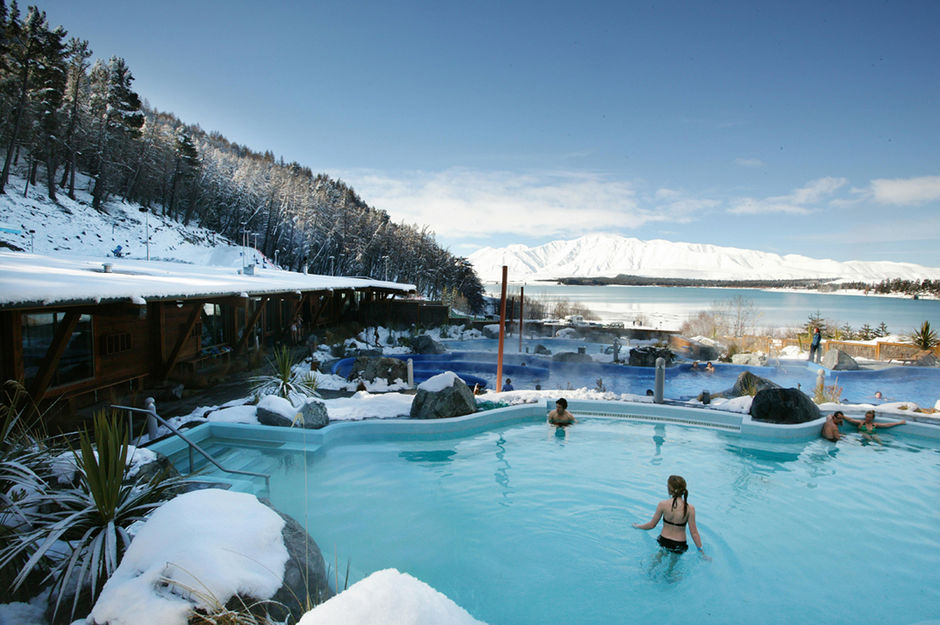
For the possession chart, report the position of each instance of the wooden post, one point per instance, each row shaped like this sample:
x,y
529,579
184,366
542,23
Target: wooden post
x,y
181,340
61,339
250,325
521,313
502,331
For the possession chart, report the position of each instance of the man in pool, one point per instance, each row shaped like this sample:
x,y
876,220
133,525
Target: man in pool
x,y
560,415
830,429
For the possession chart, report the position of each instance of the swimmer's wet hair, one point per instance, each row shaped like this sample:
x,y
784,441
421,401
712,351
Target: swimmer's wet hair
x,y
563,403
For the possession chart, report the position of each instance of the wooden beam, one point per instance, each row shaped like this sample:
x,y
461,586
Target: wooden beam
x,y
48,366
181,340
320,307
250,325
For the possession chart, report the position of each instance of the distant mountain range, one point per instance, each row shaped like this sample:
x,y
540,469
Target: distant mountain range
x,y
608,255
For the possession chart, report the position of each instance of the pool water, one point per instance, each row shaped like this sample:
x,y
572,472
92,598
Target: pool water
x,y
520,526
920,385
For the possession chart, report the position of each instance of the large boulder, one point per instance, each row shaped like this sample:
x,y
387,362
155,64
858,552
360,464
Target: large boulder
x,y
208,548
749,384
749,359
279,412
444,395
382,367
787,406
313,414
491,331
646,356
542,350
925,358
424,344
838,360
571,357
276,411
304,581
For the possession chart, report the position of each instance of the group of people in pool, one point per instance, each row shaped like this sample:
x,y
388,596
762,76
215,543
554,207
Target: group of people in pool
x,y
675,518
708,368
866,427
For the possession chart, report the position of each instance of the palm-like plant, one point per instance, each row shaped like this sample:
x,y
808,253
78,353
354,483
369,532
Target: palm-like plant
x,y
90,520
285,381
925,337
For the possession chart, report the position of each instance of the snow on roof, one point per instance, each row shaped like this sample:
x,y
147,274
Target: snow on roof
x,y
33,279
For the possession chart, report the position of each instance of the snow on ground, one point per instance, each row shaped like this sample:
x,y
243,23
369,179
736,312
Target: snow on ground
x,y
537,397
204,546
21,613
73,227
391,598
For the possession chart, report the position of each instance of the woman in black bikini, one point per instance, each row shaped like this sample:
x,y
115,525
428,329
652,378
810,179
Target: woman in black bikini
x,y
676,515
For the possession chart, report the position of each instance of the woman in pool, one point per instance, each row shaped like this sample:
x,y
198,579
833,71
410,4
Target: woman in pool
x,y
867,427
675,518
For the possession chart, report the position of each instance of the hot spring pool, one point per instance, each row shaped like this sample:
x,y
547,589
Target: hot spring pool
x,y
520,527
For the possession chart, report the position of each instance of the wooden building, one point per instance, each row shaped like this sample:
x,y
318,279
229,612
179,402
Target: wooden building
x,y
72,328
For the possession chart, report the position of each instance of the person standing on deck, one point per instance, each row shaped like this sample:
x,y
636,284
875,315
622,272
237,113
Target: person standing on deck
x,y
814,355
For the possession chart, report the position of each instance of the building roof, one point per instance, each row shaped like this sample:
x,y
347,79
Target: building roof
x,y
30,280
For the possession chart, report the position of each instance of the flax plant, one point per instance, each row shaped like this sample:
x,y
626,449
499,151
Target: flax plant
x,y
285,381
81,535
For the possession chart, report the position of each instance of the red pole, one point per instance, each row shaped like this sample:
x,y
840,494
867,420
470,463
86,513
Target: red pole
x,y
502,331
521,313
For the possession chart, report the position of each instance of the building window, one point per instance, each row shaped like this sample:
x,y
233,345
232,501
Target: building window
x,y
78,359
117,343
212,325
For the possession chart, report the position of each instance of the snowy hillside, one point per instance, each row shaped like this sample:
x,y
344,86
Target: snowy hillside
x,y
607,255
73,227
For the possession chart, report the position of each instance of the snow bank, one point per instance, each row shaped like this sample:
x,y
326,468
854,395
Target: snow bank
x,y
201,547
234,414
389,597
438,382
364,405
534,397
738,404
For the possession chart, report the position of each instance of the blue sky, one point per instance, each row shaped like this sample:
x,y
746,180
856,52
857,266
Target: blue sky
x,y
797,127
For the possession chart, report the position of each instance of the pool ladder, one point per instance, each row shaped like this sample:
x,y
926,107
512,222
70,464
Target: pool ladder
x,y
153,418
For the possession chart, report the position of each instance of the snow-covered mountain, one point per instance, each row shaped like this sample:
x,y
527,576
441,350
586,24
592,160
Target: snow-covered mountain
x,y
607,255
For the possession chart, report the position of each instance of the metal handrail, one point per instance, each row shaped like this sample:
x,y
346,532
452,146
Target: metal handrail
x,y
151,412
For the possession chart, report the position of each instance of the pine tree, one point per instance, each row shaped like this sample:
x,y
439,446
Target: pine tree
x,y
78,54
119,119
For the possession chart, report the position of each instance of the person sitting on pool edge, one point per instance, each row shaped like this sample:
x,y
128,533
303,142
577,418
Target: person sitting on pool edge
x,y
560,415
830,429
672,537
867,427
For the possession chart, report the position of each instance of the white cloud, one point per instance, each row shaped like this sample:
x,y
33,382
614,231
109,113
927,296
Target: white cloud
x,y
906,191
461,202
749,162
799,201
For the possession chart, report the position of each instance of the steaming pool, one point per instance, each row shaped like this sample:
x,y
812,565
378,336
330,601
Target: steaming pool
x,y
903,383
520,526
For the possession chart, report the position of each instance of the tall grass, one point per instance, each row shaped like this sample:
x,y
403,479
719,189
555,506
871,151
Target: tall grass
x,y
284,380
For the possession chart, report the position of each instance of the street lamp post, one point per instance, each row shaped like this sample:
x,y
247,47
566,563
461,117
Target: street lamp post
x,y
146,228
386,267
275,257
331,265
32,241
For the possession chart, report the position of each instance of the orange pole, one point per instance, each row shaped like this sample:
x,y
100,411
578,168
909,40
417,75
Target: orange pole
x,y
502,331
521,313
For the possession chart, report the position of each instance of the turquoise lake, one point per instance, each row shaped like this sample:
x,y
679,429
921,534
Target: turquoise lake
x,y
668,307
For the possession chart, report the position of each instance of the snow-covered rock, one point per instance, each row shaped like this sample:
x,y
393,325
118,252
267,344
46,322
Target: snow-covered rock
x,y
199,547
391,598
